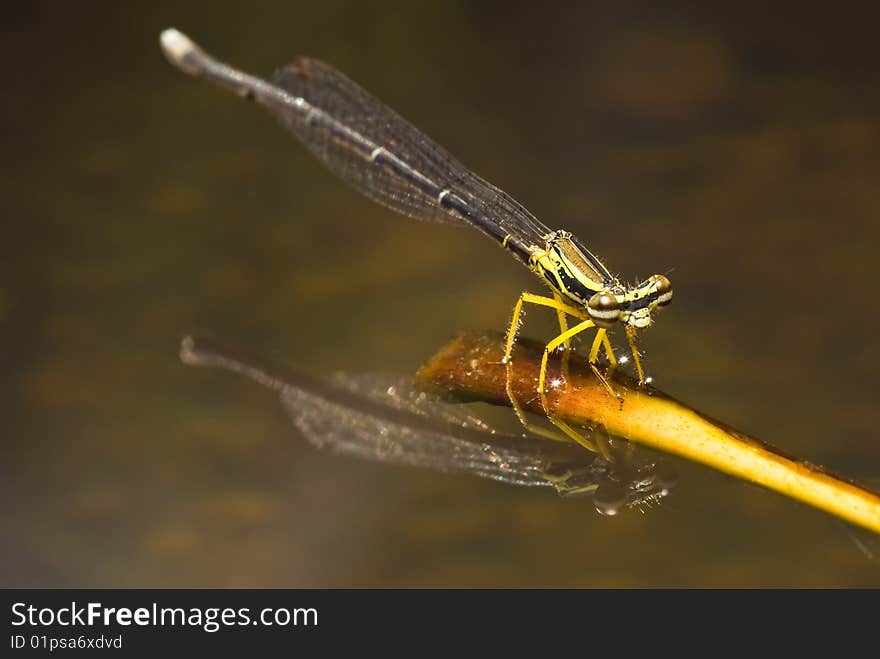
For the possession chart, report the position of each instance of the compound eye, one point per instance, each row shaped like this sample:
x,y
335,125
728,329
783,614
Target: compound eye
x,y
664,290
604,309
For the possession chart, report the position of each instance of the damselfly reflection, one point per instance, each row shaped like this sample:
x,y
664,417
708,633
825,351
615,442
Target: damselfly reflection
x,y
388,159
379,419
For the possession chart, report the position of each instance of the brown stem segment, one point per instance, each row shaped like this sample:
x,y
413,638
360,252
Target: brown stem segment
x,y
469,368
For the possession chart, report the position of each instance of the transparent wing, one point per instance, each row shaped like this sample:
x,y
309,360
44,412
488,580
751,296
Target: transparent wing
x,y
380,419
369,145
414,430
388,421
329,90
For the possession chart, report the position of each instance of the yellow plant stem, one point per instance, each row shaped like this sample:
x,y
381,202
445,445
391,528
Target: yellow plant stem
x,y
470,368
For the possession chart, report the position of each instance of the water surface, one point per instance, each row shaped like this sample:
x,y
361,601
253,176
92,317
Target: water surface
x,y
737,151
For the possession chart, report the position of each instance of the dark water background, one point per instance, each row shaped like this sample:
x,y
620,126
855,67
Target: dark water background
x,y
735,148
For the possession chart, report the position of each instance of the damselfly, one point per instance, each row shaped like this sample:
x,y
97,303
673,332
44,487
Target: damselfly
x,y
389,421
379,153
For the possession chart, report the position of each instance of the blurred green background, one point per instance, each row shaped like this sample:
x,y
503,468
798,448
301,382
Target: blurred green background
x,y
736,148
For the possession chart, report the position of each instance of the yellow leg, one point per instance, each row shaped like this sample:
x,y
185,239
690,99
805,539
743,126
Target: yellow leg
x,y
562,339
539,300
563,328
550,347
506,360
561,308
631,339
601,340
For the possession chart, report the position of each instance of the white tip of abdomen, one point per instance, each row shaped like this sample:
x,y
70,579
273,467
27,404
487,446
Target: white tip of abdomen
x,y
176,46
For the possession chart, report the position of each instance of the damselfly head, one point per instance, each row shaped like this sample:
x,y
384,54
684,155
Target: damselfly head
x,y
639,302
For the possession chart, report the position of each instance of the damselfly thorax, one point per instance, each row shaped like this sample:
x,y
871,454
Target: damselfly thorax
x,y
570,269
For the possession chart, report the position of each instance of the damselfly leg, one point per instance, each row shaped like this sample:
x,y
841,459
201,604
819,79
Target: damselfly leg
x,y
563,339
